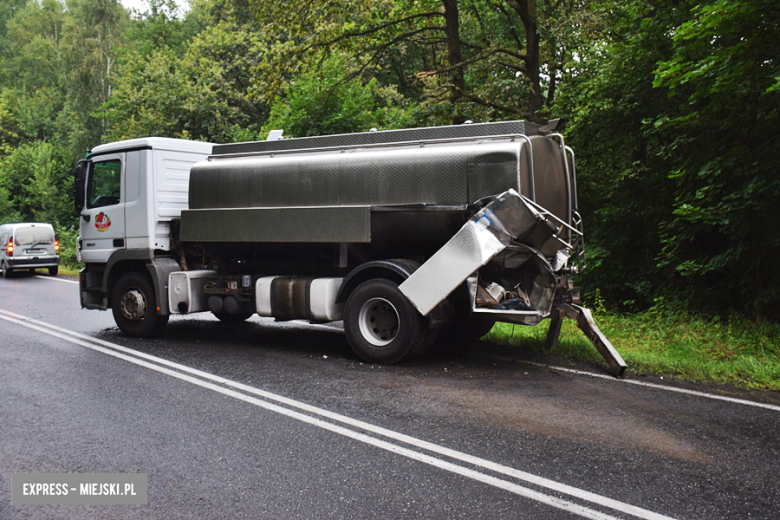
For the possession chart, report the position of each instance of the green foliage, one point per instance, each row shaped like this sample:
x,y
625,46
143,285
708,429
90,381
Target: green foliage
x,y
68,239
320,103
11,133
37,180
623,183
201,95
478,60
720,143
675,122
8,214
160,26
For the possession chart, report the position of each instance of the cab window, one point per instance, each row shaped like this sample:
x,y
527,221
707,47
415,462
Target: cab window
x,y
104,182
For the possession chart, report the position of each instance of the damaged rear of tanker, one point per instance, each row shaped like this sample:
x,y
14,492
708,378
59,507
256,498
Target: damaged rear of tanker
x,y
402,234
408,236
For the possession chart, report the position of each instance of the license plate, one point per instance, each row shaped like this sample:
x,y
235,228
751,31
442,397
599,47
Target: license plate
x,y
34,251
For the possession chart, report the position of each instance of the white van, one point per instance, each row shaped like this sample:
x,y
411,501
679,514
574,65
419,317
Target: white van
x,y
28,246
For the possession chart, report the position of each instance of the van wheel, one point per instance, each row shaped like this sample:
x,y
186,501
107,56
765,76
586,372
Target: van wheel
x,y
135,307
226,317
381,325
53,271
6,271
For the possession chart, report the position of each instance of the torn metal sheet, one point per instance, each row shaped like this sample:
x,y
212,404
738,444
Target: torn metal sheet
x,y
585,322
485,235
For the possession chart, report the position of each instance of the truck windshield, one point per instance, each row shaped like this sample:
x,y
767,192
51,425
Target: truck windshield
x,y
103,187
27,236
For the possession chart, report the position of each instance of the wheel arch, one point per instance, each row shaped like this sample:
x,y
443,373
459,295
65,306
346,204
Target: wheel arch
x,y
143,261
398,270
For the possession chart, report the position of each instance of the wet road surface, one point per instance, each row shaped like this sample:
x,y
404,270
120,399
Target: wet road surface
x,y
266,420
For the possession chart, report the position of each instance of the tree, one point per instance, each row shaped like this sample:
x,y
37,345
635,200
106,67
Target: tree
x,y
11,133
448,48
320,103
675,116
32,65
91,44
201,95
36,180
720,141
624,185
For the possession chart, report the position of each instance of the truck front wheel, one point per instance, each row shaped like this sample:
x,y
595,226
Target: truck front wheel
x,y
135,307
381,325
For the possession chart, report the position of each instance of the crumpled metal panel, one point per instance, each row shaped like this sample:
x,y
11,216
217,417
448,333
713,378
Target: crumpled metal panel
x,y
385,136
470,248
538,283
485,235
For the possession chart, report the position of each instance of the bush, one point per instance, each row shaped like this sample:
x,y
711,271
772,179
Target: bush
x,y
68,239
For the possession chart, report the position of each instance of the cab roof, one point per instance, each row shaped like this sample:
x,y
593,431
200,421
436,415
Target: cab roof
x,y
153,143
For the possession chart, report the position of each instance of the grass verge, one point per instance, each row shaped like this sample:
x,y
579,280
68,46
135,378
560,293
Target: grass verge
x,y
735,351
68,270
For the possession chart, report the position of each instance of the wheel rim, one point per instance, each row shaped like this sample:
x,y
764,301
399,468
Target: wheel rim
x,y
378,321
133,305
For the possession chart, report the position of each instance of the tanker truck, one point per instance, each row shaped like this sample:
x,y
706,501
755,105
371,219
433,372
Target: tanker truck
x,y
407,236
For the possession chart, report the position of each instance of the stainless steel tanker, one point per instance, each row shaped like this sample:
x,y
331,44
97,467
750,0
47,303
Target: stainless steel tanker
x,y
402,234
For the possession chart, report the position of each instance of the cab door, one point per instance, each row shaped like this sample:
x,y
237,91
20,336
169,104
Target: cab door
x,y
103,215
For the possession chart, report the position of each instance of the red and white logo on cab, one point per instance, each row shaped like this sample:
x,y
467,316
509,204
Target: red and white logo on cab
x,y
102,222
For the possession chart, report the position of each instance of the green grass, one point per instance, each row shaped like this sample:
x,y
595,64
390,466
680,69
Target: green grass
x,y
70,270
693,348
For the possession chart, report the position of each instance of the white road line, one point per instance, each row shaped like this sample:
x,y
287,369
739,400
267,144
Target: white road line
x,y
92,343
56,279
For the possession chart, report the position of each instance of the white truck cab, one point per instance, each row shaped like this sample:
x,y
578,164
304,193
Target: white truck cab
x,y
127,193
133,190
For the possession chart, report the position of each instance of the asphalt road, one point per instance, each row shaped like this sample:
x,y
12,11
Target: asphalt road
x,y
266,420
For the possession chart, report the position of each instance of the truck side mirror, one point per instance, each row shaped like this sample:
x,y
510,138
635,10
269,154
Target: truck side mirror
x,y
80,177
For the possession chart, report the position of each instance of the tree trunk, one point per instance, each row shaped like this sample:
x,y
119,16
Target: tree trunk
x,y
526,9
454,56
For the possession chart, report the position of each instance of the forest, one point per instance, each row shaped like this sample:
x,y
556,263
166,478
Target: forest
x,y
672,107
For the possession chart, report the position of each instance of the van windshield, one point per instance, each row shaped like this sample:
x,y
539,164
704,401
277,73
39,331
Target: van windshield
x,y
28,236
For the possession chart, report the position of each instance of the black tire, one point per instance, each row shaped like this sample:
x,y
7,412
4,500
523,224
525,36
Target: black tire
x,y
431,337
135,307
53,271
226,317
381,325
7,273
478,327
464,334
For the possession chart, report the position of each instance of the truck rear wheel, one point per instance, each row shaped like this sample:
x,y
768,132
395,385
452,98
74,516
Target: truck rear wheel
x,y
465,331
135,307
381,325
